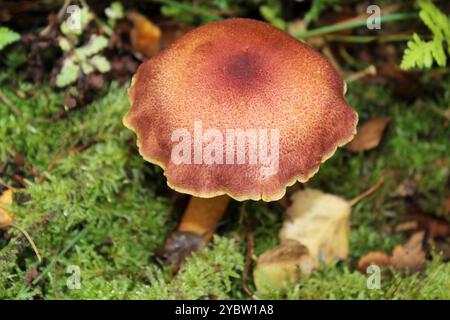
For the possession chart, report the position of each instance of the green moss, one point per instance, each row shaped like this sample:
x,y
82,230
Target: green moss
x,y
206,274
338,282
105,188
104,209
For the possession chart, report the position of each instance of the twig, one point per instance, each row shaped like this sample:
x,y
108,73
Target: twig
x,y
329,54
3,183
19,180
354,24
369,71
58,155
249,254
170,209
81,148
60,15
349,59
60,115
366,39
9,104
439,111
30,240
367,192
55,159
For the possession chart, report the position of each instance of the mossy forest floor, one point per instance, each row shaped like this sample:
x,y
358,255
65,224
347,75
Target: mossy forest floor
x,y
93,203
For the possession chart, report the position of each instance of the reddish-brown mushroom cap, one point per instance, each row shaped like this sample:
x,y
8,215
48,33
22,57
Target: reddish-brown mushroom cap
x,y
240,74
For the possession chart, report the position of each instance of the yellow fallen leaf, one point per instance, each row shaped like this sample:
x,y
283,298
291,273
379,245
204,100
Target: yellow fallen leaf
x,y
321,222
6,218
145,36
282,265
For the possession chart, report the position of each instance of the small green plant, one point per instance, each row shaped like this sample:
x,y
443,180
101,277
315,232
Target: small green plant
x,y
318,6
114,12
271,12
85,58
7,36
421,54
199,11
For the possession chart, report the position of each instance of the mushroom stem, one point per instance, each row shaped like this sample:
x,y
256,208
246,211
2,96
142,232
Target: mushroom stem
x,y
195,229
202,215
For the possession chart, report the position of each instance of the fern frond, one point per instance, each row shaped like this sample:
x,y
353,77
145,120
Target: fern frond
x,y
417,54
7,37
421,53
434,19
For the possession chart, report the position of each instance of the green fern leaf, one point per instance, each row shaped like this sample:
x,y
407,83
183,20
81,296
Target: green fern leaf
x,y
434,19
437,49
421,53
416,54
7,37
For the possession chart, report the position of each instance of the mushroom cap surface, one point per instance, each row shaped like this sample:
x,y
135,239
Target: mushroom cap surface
x,y
244,77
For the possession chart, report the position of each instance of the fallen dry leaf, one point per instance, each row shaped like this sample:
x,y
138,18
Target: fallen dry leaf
x,y
282,265
145,36
320,221
380,259
369,135
436,227
6,200
7,218
30,275
411,255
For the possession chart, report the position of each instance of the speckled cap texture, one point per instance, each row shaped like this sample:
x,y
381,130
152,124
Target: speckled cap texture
x,y
240,74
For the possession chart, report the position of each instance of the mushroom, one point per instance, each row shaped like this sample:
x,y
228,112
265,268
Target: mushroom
x,y
240,109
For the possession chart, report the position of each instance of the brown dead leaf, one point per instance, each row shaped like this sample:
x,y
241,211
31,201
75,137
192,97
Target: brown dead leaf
x,y
411,255
320,221
145,36
30,275
369,134
380,259
436,227
6,217
281,265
